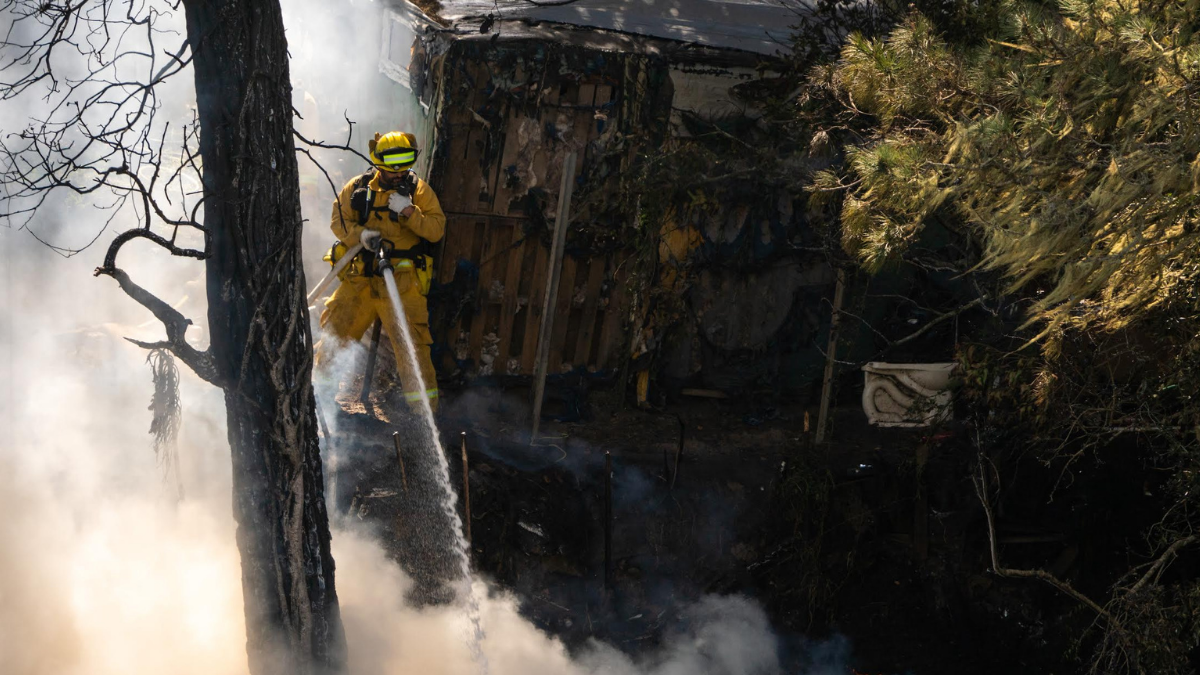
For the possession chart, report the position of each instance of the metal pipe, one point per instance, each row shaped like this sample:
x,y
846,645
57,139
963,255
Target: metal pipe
x,y
337,269
466,487
830,356
678,457
607,520
554,277
369,375
400,458
666,474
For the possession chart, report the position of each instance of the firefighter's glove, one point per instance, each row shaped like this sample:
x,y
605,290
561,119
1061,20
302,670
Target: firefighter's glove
x,y
397,202
370,239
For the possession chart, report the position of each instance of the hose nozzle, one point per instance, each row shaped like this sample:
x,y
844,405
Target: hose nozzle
x,y
383,255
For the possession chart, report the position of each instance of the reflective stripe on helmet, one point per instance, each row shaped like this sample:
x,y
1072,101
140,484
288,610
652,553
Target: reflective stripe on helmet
x,y
397,156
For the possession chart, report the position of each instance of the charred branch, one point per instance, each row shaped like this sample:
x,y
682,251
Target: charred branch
x,y
345,147
176,324
317,163
110,258
312,145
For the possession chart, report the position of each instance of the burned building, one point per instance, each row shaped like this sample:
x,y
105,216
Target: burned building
x,y
718,296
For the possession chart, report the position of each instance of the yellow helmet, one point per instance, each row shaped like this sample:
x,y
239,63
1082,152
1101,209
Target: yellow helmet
x,y
394,151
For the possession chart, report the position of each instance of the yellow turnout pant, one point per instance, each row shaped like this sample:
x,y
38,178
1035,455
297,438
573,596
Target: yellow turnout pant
x,y
355,305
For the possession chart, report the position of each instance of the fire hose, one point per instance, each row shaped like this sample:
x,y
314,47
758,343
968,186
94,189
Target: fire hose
x,y
333,273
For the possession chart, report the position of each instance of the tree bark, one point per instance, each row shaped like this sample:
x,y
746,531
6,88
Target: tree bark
x,y
260,341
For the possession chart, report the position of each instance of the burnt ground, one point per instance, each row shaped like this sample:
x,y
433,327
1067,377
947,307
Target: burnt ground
x,y
826,538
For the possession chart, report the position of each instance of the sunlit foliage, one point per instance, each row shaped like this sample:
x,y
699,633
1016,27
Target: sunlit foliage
x,y
1067,142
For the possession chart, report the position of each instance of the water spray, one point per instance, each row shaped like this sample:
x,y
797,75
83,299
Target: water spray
x,y
466,488
449,499
608,520
400,458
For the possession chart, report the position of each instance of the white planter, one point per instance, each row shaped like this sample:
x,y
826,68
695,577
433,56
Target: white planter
x,y
907,394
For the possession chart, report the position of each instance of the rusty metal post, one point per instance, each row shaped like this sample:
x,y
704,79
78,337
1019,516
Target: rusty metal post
x,y
668,478
607,520
921,507
830,357
370,374
400,458
678,457
466,488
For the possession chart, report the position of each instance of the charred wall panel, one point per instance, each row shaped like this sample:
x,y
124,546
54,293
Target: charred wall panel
x,y
510,114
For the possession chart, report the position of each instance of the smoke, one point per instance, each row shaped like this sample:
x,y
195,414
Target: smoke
x,y
723,635
726,635
101,570
105,568
125,587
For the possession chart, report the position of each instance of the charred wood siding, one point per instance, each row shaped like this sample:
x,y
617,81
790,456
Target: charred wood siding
x,y
511,288
510,114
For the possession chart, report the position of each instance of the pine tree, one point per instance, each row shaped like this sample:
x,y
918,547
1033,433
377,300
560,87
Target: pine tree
x,y
1068,144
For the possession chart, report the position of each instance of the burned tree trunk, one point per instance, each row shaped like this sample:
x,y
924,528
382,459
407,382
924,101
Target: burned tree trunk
x,y
260,341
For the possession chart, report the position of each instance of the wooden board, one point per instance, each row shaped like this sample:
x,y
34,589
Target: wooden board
x,y
562,310
484,305
587,334
485,229
503,193
588,318
459,244
523,323
537,297
574,309
508,309
611,340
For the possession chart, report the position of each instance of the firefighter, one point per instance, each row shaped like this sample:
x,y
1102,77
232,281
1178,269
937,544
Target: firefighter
x,y
389,210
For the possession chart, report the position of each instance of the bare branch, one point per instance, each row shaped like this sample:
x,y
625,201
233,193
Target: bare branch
x,y
330,146
1159,565
176,324
981,490
318,164
98,129
110,259
938,319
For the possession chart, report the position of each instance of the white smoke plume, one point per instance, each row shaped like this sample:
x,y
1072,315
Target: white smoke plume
x,y
105,570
